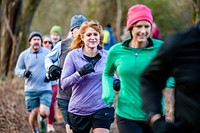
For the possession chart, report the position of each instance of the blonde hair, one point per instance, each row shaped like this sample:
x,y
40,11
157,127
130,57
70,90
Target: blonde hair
x,y
77,41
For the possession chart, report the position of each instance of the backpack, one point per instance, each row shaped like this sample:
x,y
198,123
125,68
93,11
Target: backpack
x,y
106,39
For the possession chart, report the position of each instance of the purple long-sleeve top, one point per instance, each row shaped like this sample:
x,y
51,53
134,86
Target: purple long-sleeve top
x,y
86,90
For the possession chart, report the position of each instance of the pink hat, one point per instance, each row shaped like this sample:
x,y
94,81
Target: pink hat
x,y
138,12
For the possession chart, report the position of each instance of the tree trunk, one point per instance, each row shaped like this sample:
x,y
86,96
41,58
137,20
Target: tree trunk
x,y
118,21
27,16
0,31
14,30
10,27
195,11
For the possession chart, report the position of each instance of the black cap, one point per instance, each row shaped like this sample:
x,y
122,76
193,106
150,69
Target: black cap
x,y
34,33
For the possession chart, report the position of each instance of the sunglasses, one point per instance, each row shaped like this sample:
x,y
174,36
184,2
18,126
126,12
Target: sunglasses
x,y
47,42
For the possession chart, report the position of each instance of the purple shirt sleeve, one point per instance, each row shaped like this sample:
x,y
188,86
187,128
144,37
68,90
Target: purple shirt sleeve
x,y
69,76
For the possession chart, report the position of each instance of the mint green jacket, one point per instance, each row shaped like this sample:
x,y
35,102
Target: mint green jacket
x,y
129,64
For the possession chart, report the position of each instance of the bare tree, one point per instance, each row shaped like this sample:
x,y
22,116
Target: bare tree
x,y
119,19
27,16
0,23
11,29
195,11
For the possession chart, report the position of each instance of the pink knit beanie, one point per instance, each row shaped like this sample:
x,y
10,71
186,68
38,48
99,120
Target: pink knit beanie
x,y
138,12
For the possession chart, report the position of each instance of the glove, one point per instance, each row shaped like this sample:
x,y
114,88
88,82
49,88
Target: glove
x,y
88,68
46,79
27,73
162,126
116,84
54,72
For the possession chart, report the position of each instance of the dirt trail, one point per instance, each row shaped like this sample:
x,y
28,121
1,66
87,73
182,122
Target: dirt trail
x,y
13,115
14,118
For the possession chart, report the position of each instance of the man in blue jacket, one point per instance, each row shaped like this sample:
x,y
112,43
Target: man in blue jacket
x,y
38,92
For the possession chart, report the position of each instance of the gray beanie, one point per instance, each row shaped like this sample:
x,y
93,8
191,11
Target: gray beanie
x,y
76,21
34,33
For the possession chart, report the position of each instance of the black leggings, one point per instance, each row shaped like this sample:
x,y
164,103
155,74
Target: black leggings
x,y
132,126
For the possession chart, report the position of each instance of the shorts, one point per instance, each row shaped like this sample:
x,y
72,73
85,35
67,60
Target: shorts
x,y
63,106
34,99
101,119
129,126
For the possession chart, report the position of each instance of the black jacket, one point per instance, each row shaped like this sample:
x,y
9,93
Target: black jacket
x,y
179,57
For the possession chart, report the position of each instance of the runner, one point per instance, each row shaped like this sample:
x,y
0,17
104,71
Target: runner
x,y
179,57
82,71
55,59
37,88
129,59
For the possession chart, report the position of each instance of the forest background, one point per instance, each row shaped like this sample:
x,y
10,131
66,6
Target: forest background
x,y
19,17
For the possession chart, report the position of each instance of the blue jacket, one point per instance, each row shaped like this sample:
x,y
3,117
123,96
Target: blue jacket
x,y
33,62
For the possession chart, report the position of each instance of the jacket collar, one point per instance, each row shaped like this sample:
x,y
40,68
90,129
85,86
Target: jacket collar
x,y
39,51
126,43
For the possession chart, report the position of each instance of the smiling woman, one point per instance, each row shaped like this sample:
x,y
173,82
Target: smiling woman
x,y
94,25
82,71
129,59
90,39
